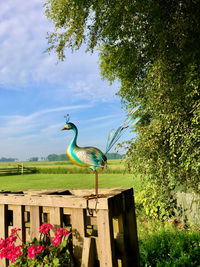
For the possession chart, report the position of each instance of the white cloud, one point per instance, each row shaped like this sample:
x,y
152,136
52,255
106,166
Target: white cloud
x,y
37,121
23,28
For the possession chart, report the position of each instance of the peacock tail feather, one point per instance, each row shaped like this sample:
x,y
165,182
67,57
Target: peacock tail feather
x,y
114,136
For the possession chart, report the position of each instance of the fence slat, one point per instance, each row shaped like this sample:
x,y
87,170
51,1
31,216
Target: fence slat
x,y
3,228
35,218
88,252
18,221
105,239
78,233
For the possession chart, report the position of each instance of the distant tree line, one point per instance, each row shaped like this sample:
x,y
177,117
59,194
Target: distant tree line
x,y
7,159
63,157
114,156
55,157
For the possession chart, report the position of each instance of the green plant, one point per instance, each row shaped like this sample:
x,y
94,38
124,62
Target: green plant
x,y
165,245
45,252
155,202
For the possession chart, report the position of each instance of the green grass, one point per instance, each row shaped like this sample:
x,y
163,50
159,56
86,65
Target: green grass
x,y
65,175
62,167
66,181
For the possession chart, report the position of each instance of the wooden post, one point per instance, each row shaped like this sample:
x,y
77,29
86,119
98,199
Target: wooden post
x,y
106,239
18,221
88,256
78,232
22,168
3,229
130,231
35,218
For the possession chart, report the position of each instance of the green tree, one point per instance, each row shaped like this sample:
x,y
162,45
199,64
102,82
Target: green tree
x,y
7,159
152,49
55,157
113,156
33,159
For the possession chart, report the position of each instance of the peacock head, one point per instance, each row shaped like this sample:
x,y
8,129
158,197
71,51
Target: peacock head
x,y
68,125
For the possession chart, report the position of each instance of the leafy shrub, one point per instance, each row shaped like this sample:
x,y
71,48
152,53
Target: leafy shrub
x,y
167,246
155,202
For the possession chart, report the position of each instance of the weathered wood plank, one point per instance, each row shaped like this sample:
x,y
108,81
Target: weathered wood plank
x,y
105,239
130,232
53,201
88,255
3,229
35,218
78,233
18,222
55,217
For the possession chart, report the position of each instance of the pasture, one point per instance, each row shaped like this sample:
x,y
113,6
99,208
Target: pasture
x,y
65,175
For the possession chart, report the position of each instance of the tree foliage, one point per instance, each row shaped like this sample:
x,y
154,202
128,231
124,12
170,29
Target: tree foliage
x,y
152,49
7,159
55,157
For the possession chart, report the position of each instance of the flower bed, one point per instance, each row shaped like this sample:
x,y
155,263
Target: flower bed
x,y
45,251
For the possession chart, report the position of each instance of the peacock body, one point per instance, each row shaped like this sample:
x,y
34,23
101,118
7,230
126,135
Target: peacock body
x,y
92,157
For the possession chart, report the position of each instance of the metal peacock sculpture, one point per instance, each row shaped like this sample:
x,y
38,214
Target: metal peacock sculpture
x,y
92,157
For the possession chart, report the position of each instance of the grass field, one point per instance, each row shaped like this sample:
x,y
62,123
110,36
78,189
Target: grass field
x,y
64,175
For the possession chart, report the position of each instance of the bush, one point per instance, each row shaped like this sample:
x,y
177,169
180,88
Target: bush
x,y
155,202
167,246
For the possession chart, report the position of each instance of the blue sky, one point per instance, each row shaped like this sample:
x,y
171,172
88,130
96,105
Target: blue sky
x,y
36,92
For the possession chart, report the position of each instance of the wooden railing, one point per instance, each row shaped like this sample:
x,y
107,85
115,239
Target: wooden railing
x,y
20,169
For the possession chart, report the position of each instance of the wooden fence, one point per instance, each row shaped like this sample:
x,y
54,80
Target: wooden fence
x,y
20,169
104,233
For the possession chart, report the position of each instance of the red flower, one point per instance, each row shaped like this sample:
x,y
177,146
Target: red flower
x,y
39,248
58,236
45,227
15,230
17,251
57,239
2,243
11,239
62,231
31,252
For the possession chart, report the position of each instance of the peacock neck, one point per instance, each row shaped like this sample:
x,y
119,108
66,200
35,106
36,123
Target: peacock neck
x,y
73,142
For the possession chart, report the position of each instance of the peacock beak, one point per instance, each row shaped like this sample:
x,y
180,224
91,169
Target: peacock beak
x,y
65,128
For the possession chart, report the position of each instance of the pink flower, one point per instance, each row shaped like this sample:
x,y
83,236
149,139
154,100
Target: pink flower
x,y
31,252
45,227
57,239
15,230
39,248
62,231
9,246
58,236
17,251
2,243
11,239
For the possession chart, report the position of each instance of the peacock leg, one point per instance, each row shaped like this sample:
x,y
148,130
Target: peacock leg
x,y
96,180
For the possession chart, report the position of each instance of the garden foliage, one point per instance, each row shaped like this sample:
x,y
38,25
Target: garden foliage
x,y
168,246
152,49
